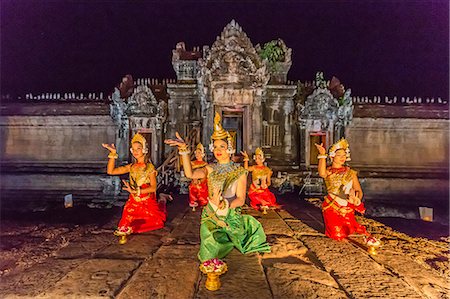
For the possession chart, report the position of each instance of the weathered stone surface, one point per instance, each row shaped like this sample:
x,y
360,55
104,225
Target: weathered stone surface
x,y
176,251
137,247
245,278
301,228
86,246
172,273
302,264
367,134
281,246
94,279
355,271
275,226
285,215
424,281
36,279
302,280
431,254
188,231
271,214
252,212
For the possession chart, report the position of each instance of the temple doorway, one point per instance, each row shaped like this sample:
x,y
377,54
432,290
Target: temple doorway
x,y
233,123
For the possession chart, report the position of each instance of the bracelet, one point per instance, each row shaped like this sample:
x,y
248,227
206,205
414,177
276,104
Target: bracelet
x,y
138,191
322,156
246,159
227,204
184,150
113,155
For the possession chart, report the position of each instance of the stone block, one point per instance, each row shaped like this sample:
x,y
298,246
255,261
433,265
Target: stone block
x,y
86,246
275,226
302,281
98,278
137,247
37,279
171,273
245,278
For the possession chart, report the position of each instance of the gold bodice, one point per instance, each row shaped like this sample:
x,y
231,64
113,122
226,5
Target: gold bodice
x,y
224,176
260,172
337,180
140,175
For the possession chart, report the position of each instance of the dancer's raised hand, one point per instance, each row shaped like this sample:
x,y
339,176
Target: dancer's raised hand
x,y
179,142
110,147
320,148
244,154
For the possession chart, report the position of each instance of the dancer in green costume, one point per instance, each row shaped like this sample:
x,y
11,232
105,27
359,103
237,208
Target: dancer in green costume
x,y
222,225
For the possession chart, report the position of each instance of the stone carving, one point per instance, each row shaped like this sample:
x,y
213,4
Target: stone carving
x,y
140,111
232,60
322,106
142,102
185,62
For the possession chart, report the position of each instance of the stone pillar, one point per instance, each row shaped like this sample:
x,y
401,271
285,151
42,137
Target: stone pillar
x,y
279,110
256,122
182,98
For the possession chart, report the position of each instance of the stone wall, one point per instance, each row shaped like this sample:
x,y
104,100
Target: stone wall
x,y
48,156
55,139
400,145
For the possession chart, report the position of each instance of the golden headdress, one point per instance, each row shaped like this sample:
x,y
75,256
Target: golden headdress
x,y
260,152
140,139
201,148
341,144
219,132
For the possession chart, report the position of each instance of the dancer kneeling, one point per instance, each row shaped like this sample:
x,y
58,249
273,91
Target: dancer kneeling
x,y
344,194
142,212
222,225
198,188
259,193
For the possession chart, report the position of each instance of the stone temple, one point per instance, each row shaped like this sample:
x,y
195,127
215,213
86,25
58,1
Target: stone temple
x,y
52,142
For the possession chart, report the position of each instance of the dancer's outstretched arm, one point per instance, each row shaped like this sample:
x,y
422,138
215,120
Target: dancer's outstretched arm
x,y
184,152
111,169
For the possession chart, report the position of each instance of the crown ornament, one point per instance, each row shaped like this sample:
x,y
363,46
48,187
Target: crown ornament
x,y
220,133
201,148
140,139
341,144
259,152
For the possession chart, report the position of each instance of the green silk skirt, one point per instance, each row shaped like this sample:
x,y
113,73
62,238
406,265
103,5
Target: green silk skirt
x,y
219,234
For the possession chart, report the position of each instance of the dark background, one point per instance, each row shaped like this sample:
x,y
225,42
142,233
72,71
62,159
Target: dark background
x,y
374,47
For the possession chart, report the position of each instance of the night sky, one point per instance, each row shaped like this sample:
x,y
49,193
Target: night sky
x,y
375,48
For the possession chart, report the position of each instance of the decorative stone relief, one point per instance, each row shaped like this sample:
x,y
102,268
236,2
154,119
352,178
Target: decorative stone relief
x,y
232,60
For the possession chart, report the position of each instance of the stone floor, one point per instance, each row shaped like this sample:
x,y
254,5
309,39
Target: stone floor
x,y
163,264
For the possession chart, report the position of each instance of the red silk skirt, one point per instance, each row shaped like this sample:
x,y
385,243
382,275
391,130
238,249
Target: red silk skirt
x,y
198,193
261,197
340,221
143,213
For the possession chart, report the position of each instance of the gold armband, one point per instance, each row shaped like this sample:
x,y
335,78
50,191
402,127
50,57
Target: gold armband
x,y
184,150
113,155
322,156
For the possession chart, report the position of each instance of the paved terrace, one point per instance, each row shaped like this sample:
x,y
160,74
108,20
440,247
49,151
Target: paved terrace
x,y
163,264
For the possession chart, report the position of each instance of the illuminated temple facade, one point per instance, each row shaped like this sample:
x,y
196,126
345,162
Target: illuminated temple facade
x,y
51,143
